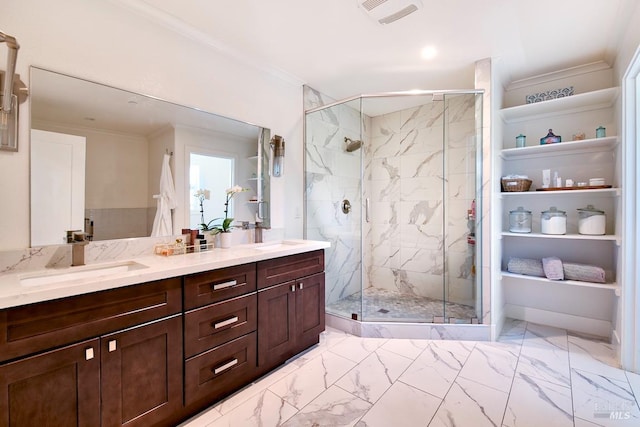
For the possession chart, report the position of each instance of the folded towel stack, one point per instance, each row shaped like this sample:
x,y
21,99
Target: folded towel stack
x,y
554,269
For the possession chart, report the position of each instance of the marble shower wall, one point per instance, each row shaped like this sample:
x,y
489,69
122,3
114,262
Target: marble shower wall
x,y
412,201
403,164
333,175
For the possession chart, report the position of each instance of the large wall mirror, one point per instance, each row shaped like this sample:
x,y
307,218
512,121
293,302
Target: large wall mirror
x,y
97,154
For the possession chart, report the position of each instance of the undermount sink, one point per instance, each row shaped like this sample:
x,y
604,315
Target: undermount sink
x,y
74,273
272,246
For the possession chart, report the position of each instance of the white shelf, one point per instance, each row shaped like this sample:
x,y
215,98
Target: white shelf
x,y
605,237
257,178
252,158
598,191
572,147
571,104
611,286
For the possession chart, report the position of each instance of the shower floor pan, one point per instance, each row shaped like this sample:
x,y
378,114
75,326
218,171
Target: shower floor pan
x,y
381,305
390,314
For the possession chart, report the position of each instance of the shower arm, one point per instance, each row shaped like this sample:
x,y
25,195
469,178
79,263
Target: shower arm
x,y
12,55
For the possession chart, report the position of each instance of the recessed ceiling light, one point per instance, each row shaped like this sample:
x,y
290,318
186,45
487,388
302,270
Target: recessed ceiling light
x,y
429,52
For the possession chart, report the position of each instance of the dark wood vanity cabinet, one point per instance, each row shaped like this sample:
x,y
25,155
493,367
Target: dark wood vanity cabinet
x,y
290,314
141,375
219,333
158,352
107,358
57,388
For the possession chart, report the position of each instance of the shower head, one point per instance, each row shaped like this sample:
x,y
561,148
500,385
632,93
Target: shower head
x,y
352,145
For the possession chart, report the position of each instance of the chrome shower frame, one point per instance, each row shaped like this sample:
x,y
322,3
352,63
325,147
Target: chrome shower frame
x,y
365,328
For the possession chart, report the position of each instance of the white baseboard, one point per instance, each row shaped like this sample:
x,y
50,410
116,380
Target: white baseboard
x,y
601,328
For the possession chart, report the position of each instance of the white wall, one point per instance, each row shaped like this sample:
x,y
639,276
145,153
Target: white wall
x,y
628,43
108,43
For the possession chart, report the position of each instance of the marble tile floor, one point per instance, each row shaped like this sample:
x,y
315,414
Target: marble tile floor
x,y
381,305
533,376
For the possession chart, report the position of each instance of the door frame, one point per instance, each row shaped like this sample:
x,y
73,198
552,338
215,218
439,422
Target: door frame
x,y
630,270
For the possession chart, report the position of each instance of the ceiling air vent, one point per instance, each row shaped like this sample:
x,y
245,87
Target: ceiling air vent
x,y
388,11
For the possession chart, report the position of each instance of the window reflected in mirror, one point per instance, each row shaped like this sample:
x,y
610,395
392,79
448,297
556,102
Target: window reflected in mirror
x,y
209,178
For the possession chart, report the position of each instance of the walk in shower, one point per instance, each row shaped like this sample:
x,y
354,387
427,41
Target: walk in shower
x,y
393,182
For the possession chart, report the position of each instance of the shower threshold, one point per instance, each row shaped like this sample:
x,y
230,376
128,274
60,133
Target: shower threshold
x,y
392,314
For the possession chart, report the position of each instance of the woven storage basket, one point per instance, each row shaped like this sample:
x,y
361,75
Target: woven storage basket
x,y
515,184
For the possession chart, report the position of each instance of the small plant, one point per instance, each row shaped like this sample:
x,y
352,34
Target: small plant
x,y
225,225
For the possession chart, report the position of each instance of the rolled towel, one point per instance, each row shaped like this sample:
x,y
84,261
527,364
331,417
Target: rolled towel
x,y
583,273
528,267
552,267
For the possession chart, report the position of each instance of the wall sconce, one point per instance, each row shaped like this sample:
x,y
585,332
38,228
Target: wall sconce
x,y
277,156
11,95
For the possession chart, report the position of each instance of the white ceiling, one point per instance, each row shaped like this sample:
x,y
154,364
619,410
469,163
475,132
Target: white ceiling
x,y
334,47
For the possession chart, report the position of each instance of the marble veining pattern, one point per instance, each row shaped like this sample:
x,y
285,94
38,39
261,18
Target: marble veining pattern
x,y
380,382
405,160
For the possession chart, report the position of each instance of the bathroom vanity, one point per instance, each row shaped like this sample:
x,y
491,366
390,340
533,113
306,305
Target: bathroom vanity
x,y
155,345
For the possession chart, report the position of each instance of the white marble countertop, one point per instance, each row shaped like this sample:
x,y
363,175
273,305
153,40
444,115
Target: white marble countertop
x,y
153,267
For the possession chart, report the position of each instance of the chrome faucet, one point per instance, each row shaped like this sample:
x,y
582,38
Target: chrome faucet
x,y
258,233
78,241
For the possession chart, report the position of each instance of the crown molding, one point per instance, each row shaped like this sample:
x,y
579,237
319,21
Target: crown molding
x,y
557,75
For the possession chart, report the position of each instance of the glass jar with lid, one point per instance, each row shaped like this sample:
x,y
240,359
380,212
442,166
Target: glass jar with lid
x,y
591,221
520,220
553,221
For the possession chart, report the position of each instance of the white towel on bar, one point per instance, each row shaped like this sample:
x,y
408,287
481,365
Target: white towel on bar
x,y
162,223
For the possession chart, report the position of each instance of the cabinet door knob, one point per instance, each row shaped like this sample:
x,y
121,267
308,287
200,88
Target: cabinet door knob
x,y
224,367
293,288
224,323
113,346
300,285
224,285
88,353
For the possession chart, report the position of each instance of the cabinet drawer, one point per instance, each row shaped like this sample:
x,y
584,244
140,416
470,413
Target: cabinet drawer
x,y
218,372
280,270
217,285
215,324
50,324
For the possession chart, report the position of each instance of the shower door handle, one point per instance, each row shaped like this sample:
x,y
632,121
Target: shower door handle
x,y
366,209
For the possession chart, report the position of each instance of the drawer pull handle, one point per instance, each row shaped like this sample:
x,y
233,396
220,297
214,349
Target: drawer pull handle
x,y
112,346
88,353
224,323
301,285
224,285
224,367
293,288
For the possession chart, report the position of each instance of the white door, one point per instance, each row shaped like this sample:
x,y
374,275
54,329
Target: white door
x,y
57,186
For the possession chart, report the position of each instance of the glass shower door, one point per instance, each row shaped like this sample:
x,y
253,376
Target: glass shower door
x,y
333,201
405,182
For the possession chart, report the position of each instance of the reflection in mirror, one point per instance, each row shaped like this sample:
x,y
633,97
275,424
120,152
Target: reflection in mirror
x,y
209,177
125,138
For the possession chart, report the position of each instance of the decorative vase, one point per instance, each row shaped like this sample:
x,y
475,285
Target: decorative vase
x,y
225,240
